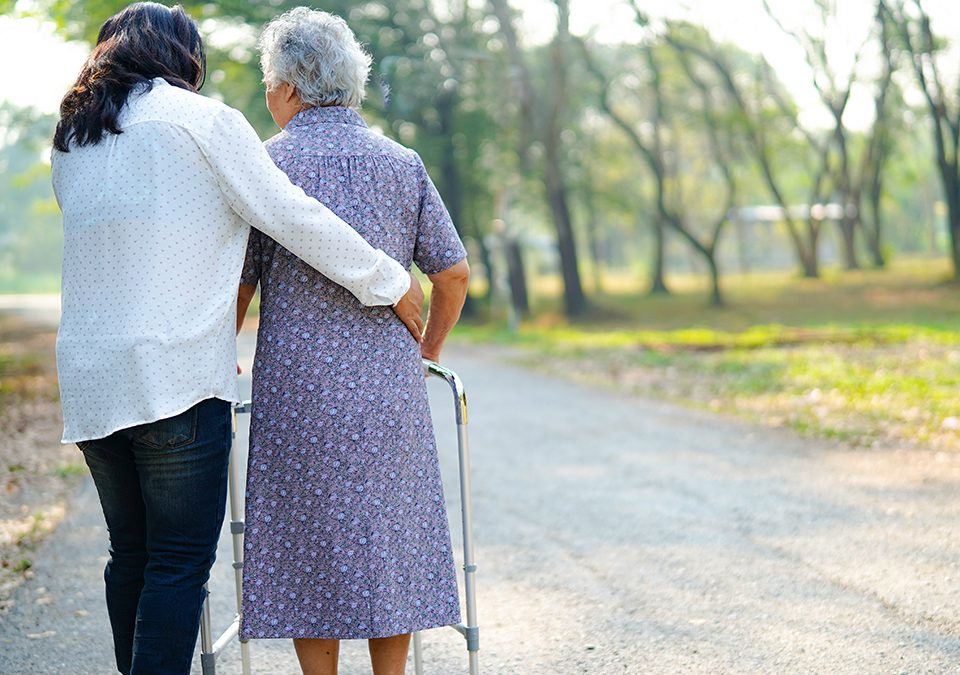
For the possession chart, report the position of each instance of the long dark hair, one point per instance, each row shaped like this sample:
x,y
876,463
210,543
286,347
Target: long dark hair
x,y
144,41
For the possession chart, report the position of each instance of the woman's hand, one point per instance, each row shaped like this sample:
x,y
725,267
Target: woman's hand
x,y
410,309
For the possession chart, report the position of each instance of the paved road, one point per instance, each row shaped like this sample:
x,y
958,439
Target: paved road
x,y
620,535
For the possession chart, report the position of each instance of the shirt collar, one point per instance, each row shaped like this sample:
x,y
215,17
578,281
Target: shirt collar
x,y
327,115
142,87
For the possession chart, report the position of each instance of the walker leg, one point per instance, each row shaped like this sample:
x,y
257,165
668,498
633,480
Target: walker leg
x,y
235,486
245,656
469,628
472,630
208,659
417,653
210,647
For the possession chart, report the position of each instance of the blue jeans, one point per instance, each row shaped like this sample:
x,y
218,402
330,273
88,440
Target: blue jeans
x,y
163,487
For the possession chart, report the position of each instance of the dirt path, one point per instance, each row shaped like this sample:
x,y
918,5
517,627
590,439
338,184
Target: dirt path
x,y
620,535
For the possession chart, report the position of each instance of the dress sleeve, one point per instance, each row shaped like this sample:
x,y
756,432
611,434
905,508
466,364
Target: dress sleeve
x,y
263,196
253,260
438,245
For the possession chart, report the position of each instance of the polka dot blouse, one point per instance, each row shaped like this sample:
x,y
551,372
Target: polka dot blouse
x,y
156,222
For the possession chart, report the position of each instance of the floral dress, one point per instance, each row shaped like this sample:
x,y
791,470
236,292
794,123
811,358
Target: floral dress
x,y
346,529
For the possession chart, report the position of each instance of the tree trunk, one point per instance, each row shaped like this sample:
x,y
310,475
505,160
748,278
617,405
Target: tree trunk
x,y
716,298
874,230
810,258
517,278
658,281
952,187
879,146
452,186
848,235
850,217
810,253
575,303
573,299
489,267
593,240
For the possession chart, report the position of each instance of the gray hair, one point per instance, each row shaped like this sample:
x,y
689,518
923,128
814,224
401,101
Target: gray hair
x,y
318,54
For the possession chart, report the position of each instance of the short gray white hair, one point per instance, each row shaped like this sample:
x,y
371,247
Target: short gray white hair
x,y
318,54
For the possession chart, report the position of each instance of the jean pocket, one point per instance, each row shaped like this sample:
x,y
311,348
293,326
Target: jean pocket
x,y
172,433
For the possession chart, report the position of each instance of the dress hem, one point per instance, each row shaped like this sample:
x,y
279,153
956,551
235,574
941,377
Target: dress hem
x,y
367,635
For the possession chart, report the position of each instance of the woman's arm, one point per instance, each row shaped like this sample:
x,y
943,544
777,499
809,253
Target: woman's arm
x,y
446,301
244,296
263,196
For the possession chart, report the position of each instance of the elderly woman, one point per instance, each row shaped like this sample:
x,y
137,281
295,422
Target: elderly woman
x,y
347,532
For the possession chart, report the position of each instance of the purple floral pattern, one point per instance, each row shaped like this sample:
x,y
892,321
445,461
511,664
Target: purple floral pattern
x,y
347,532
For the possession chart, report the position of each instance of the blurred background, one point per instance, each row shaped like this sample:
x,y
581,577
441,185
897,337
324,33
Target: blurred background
x,y
751,206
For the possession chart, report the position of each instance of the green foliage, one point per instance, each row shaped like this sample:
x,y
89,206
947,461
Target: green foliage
x,y
443,84
30,231
866,358
432,88
68,470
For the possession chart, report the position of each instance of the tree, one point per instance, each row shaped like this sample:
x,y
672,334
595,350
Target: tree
x,y
766,116
30,229
665,148
924,51
834,91
545,109
880,141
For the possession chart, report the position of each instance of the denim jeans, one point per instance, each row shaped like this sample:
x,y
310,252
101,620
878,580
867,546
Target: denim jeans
x,y
163,487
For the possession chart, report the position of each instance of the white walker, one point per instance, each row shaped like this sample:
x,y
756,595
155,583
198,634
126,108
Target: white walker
x,y
210,648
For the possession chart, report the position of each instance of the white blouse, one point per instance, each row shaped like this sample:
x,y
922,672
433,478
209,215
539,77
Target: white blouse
x,y
155,223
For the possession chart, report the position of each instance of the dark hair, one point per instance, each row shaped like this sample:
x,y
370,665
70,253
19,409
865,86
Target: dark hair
x,y
144,41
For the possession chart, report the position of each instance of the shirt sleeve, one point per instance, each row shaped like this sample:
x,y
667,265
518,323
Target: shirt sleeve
x,y
438,245
263,196
253,260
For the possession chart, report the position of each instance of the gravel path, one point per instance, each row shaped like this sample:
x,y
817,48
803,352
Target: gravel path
x,y
621,535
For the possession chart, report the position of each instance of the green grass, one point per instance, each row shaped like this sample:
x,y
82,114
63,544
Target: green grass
x,y
22,566
866,357
70,469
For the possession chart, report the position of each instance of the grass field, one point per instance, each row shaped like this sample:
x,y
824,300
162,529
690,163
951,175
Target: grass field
x,y
869,357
